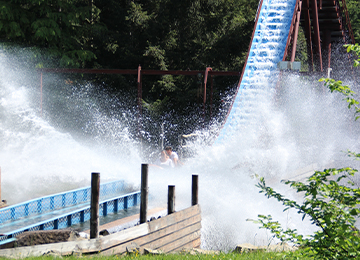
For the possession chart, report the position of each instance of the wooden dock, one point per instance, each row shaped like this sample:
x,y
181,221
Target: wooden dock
x,y
174,232
127,222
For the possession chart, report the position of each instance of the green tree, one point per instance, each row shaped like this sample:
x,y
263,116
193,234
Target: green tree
x,y
354,14
62,31
123,34
175,35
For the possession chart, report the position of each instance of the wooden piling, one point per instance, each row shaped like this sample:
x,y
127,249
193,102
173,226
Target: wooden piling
x,y
195,190
94,207
171,199
144,192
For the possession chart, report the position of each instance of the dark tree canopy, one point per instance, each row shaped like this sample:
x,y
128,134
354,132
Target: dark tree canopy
x,y
60,30
156,34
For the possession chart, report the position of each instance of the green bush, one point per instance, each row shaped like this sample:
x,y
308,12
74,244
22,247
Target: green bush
x,y
331,201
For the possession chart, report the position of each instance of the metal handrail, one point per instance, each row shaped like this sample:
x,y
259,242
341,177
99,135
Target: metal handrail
x,y
81,215
57,201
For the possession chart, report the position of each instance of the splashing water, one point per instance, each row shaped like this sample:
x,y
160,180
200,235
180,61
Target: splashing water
x,y
37,158
299,124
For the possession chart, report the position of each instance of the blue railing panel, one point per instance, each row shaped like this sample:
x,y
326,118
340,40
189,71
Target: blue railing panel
x,y
80,215
58,201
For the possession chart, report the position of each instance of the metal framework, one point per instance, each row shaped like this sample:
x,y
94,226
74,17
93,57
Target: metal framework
x,y
324,22
76,216
64,209
58,201
140,72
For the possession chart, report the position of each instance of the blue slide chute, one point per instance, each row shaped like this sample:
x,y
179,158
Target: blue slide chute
x,y
267,49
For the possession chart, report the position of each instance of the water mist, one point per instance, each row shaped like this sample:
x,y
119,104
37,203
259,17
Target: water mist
x,y
296,125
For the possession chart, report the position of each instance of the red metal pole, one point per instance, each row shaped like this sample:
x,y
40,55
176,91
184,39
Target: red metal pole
x,y
308,35
211,95
296,32
291,32
143,72
41,95
139,101
317,31
328,46
139,89
205,81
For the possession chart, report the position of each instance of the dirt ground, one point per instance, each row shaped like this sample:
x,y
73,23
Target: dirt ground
x,y
32,238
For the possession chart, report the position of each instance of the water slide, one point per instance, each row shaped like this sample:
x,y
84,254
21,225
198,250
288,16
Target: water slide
x,y
271,32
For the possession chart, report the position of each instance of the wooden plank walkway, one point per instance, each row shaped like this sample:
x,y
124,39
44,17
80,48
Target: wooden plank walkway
x,y
131,220
177,231
171,233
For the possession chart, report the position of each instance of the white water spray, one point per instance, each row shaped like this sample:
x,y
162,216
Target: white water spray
x,y
37,158
298,125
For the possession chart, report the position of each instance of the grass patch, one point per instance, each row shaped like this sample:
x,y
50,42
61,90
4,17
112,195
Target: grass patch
x,y
257,255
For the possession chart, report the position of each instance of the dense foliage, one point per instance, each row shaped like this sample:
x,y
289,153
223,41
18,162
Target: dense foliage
x,y
156,34
331,201
354,15
61,31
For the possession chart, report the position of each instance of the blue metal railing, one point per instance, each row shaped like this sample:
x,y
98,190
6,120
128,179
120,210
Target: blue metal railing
x,y
106,207
57,201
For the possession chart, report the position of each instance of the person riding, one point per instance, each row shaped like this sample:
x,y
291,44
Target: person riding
x,y
164,160
172,155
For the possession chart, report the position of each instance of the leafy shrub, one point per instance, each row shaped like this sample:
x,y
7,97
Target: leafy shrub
x,y
331,201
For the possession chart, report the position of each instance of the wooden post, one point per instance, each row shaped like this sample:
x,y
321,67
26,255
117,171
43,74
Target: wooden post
x,y
195,190
94,208
171,199
144,192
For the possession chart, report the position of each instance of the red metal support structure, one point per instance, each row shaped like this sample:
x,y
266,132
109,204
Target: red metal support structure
x,y
143,72
205,82
290,38
327,45
308,36
139,85
41,93
297,23
140,72
317,32
211,95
